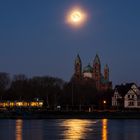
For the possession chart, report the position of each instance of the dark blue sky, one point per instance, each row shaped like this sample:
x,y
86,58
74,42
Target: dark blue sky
x,y
35,40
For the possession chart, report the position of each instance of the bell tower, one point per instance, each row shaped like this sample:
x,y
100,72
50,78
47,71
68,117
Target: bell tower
x,y
106,72
78,67
97,71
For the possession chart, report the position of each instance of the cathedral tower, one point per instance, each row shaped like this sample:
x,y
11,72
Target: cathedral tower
x,y
78,67
97,71
106,72
91,74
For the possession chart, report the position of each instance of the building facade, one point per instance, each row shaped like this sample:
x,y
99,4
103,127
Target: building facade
x,y
92,73
21,104
126,96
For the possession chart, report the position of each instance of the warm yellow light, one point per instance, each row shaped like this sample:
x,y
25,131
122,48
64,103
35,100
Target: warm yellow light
x,y
41,104
11,104
19,103
104,129
19,125
76,17
34,104
76,129
104,101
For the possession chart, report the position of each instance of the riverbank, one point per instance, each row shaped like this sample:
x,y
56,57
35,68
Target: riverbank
x,y
69,115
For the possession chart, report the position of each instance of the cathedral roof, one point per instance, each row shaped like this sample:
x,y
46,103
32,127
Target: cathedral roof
x,y
88,68
123,89
96,59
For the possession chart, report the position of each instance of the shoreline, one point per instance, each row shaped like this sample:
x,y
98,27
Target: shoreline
x,y
69,115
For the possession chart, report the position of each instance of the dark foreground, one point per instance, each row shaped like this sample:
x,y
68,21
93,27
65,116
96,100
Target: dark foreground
x,y
68,115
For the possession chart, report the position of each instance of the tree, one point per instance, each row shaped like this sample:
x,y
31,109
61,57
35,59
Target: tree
x,y
19,87
4,82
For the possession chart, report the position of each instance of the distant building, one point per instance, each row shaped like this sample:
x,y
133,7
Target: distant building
x,y
92,73
126,96
21,104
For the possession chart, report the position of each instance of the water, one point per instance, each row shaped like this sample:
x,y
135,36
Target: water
x,y
70,129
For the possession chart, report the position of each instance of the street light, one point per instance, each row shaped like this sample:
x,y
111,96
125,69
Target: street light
x,y
104,104
104,101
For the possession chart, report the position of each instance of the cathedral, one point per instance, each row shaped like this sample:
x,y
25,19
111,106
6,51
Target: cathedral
x,y
92,74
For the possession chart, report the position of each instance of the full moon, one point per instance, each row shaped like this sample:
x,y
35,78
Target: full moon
x,y
76,17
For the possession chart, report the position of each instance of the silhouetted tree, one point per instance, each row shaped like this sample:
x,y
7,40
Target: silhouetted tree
x,y
19,87
4,83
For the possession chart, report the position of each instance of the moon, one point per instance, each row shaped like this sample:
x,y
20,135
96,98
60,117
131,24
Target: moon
x,y
76,17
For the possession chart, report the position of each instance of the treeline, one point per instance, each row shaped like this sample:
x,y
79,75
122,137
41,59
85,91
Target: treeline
x,y
54,91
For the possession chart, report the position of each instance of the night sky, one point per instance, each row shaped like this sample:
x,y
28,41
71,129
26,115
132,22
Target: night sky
x,y
35,40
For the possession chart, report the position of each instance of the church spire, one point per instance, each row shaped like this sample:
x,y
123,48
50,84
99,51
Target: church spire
x,y
96,59
78,67
78,59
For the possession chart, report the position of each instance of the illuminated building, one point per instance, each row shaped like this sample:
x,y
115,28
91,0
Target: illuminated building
x,y
92,73
21,104
126,96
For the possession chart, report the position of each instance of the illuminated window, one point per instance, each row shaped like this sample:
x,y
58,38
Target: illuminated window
x,y
11,104
19,103
40,103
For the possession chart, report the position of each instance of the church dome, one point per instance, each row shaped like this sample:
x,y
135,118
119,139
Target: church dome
x,y
88,68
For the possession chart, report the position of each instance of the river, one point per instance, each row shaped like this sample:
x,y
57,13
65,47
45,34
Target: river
x,y
70,129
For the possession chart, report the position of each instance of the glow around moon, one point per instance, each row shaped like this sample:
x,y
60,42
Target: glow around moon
x,y
76,17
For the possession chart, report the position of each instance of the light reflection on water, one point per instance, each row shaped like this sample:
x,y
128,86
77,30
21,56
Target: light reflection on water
x,y
76,129
69,129
19,128
104,129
